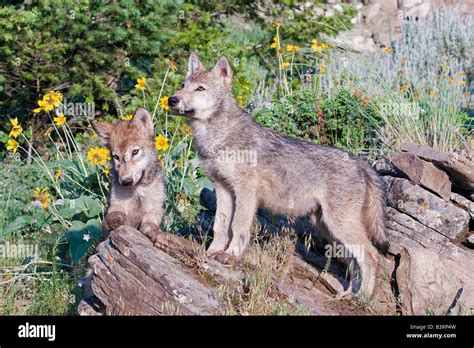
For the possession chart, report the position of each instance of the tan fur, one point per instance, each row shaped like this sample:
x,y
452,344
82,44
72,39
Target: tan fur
x,y
141,203
252,166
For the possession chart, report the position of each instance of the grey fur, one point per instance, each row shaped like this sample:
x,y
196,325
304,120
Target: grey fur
x,y
342,194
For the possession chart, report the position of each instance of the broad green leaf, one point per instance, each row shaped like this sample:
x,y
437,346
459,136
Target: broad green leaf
x,y
16,224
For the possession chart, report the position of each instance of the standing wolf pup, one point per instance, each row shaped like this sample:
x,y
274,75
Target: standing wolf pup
x,y
137,190
342,195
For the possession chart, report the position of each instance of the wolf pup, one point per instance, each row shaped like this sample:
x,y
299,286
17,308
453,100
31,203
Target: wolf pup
x,y
252,166
137,190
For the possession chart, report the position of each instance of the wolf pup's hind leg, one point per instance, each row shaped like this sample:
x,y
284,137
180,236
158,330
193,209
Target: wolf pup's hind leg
x,y
352,235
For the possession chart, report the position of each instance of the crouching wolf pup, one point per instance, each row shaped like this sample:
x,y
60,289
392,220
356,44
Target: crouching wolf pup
x,y
252,166
137,190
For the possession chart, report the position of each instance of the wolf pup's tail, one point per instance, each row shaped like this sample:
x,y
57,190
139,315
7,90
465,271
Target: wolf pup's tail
x,y
374,211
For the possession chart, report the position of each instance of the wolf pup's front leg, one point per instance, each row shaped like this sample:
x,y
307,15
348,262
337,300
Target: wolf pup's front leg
x,y
223,218
152,199
137,191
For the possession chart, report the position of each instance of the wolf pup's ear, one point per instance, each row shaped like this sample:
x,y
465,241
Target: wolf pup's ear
x,y
223,70
194,65
103,130
142,119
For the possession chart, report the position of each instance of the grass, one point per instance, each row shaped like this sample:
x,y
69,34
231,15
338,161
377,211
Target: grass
x,y
40,288
267,256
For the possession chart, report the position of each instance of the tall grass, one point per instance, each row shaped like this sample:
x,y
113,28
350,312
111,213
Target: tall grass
x,y
417,85
419,82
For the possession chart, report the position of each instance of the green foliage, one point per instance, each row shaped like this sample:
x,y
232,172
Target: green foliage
x,y
343,119
94,50
16,193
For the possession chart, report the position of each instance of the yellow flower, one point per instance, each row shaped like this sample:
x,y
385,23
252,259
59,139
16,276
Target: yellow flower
x,y
58,174
12,145
322,69
292,48
161,143
284,65
164,103
182,199
16,129
48,132
42,196
50,101
318,46
405,87
171,64
451,80
141,83
98,156
432,93
127,117
60,120
106,169
277,24
274,43
387,49
463,83
241,100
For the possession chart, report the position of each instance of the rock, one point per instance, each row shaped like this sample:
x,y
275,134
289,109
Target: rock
x,y
405,231
318,11
355,40
425,207
423,173
338,8
460,168
389,6
419,11
86,309
426,284
463,202
383,166
131,276
410,3
373,12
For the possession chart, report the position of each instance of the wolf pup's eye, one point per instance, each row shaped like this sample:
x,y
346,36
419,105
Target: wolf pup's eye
x,y
134,152
200,88
116,157
182,85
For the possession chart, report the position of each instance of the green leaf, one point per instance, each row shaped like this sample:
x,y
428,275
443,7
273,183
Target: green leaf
x,y
16,224
93,207
205,182
82,236
178,149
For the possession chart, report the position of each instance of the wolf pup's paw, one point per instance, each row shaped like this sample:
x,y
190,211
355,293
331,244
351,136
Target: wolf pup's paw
x,y
226,259
114,220
151,231
347,295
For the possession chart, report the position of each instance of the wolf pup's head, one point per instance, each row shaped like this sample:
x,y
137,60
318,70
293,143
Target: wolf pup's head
x,y
203,91
131,146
